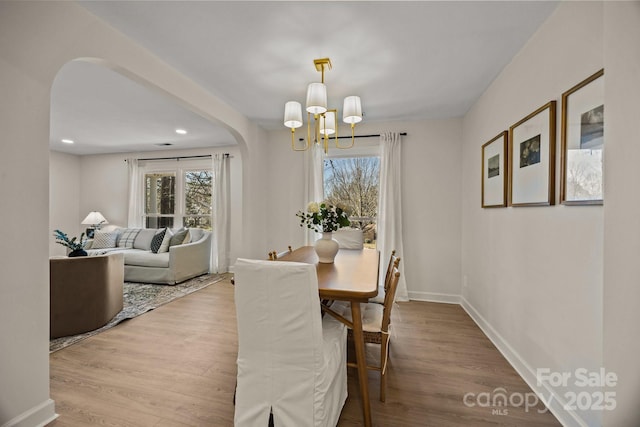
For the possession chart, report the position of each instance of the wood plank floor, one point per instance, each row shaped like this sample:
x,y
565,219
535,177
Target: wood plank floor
x,y
175,366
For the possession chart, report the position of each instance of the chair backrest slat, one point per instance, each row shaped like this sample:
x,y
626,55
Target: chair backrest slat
x,y
389,298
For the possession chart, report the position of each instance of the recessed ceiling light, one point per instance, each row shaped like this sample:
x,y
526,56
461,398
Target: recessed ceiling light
x,y
181,131
67,141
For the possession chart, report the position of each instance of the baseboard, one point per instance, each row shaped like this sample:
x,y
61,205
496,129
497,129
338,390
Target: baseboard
x,y
555,402
434,297
37,416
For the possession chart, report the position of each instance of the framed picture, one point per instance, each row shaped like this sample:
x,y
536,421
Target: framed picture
x,y
494,172
532,158
582,139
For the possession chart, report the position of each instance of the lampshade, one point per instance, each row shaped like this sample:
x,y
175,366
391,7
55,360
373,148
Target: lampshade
x,y
316,98
293,114
328,123
94,218
352,110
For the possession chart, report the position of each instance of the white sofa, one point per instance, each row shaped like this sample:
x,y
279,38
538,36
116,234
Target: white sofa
x,y
170,265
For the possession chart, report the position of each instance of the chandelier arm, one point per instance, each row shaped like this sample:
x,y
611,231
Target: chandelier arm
x,y
316,128
293,144
309,129
353,139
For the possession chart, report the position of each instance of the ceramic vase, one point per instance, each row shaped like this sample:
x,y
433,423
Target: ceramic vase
x,y
326,248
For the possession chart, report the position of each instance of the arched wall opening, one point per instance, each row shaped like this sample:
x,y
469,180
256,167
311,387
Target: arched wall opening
x,y
37,40
99,106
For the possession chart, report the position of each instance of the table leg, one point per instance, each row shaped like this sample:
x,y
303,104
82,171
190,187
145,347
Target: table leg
x,y
361,359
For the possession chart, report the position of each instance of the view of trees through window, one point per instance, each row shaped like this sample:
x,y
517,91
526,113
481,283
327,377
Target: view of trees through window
x,y
197,212
194,193
353,183
160,199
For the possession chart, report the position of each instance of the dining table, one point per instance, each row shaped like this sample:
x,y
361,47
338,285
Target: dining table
x,y
352,277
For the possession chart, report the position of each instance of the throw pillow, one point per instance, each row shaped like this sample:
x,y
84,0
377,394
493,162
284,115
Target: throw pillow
x,y
143,240
104,240
178,237
156,242
127,237
164,246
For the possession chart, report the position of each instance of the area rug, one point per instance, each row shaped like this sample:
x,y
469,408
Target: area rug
x,y
140,298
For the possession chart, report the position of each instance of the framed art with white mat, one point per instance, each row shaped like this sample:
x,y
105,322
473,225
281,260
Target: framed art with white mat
x,y
494,172
532,149
582,139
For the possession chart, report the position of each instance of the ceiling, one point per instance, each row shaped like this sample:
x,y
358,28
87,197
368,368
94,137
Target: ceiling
x,y
406,60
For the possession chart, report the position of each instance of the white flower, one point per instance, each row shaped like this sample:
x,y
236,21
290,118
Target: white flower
x,y
313,207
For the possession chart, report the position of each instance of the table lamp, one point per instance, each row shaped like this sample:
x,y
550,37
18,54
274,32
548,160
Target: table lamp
x,y
95,220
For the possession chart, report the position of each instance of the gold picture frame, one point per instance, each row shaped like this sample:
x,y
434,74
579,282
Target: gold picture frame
x,y
532,158
582,143
494,171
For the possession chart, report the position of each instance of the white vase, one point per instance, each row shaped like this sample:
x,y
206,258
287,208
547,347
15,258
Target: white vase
x,y
326,248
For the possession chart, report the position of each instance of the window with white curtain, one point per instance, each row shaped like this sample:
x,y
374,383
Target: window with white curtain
x,y
177,194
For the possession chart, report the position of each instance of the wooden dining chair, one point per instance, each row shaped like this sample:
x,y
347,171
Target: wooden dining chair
x,y
376,323
394,261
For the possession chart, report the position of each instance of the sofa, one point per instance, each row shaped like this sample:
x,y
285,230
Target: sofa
x,y
85,293
163,256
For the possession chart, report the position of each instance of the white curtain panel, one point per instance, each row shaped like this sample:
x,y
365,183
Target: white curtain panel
x,y
390,210
221,214
314,183
134,217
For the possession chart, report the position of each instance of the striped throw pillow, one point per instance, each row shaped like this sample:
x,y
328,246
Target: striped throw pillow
x,y
127,237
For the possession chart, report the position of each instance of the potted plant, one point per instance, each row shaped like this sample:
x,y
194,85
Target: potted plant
x,y
75,246
324,218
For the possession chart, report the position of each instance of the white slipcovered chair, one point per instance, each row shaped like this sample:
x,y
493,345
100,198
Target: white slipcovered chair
x,y
349,238
291,361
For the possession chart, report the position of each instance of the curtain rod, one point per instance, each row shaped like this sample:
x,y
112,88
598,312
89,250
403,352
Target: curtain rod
x,y
358,136
203,156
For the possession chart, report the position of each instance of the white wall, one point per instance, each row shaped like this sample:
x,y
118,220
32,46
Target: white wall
x,y
65,178
535,274
36,40
622,208
430,195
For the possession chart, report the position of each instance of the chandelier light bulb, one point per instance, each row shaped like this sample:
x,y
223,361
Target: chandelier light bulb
x,y
352,110
316,98
293,114
328,123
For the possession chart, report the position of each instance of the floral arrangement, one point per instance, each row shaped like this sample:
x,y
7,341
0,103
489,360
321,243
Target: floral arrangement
x,y
323,217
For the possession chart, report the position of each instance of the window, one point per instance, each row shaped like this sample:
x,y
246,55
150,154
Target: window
x,y
197,201
178,196
160,196
353,183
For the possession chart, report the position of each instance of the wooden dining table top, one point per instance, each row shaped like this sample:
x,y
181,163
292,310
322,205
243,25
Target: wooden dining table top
x,y
352,277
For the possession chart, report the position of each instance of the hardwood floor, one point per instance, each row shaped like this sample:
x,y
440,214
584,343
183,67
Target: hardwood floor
x,y
175,366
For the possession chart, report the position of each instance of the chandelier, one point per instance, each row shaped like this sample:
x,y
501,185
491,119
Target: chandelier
x,y
325,126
